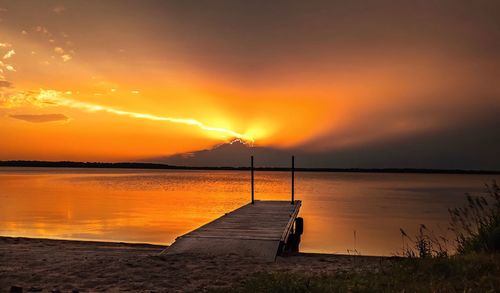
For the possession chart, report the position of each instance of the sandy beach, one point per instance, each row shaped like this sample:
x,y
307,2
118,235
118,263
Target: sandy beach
x,y
43,265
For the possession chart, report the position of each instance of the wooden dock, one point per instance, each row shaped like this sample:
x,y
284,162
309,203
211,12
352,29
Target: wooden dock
x,y
260,230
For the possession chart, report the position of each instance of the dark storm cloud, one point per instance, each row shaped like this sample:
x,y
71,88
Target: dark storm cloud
x,y
246,39
40,118
469,147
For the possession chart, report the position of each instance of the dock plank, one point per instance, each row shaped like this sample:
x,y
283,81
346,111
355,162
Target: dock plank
x,y
255,230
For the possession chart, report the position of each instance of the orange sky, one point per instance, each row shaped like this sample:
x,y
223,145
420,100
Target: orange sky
x,y
318,77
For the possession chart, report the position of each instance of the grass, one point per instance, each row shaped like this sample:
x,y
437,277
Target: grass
x,y
477,224
461,273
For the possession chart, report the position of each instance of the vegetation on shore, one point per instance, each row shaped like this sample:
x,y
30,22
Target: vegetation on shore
x,y
460,273
428,265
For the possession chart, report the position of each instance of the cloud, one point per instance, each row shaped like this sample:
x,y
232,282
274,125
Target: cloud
x,y
5,84
59,50
13,99
6,67
9,54
47,98
59,9
467,146
43,30
40,118
66,57
64,53
3,66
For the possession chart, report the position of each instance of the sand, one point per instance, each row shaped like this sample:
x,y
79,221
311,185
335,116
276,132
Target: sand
x,y
45,265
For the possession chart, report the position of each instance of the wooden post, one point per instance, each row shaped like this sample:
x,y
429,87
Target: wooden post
x,y
251,160
293,178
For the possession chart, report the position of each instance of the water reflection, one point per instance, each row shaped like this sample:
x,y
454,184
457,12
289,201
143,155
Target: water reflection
x,y
157,206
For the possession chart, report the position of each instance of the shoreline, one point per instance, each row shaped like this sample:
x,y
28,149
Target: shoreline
x,y
156,166
165,246
88,241
87,266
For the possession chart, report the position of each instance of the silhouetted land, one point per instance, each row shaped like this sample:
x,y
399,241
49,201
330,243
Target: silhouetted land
x,y
131,165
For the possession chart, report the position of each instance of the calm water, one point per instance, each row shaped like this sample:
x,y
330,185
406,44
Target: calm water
x,y
156,206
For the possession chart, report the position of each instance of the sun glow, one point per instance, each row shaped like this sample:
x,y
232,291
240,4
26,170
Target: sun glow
x,y
54,98
165,85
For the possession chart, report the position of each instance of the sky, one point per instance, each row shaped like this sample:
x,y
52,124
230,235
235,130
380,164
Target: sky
x,y
343,83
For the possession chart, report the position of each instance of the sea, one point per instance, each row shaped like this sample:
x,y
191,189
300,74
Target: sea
x,y
345,213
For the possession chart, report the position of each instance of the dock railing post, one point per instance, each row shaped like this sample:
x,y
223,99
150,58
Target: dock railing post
x,y
293,179
251,168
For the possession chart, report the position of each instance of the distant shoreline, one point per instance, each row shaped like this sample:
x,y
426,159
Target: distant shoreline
x,y
156,166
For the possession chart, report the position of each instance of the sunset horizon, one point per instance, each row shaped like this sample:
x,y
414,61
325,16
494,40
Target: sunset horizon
x,y
85,91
